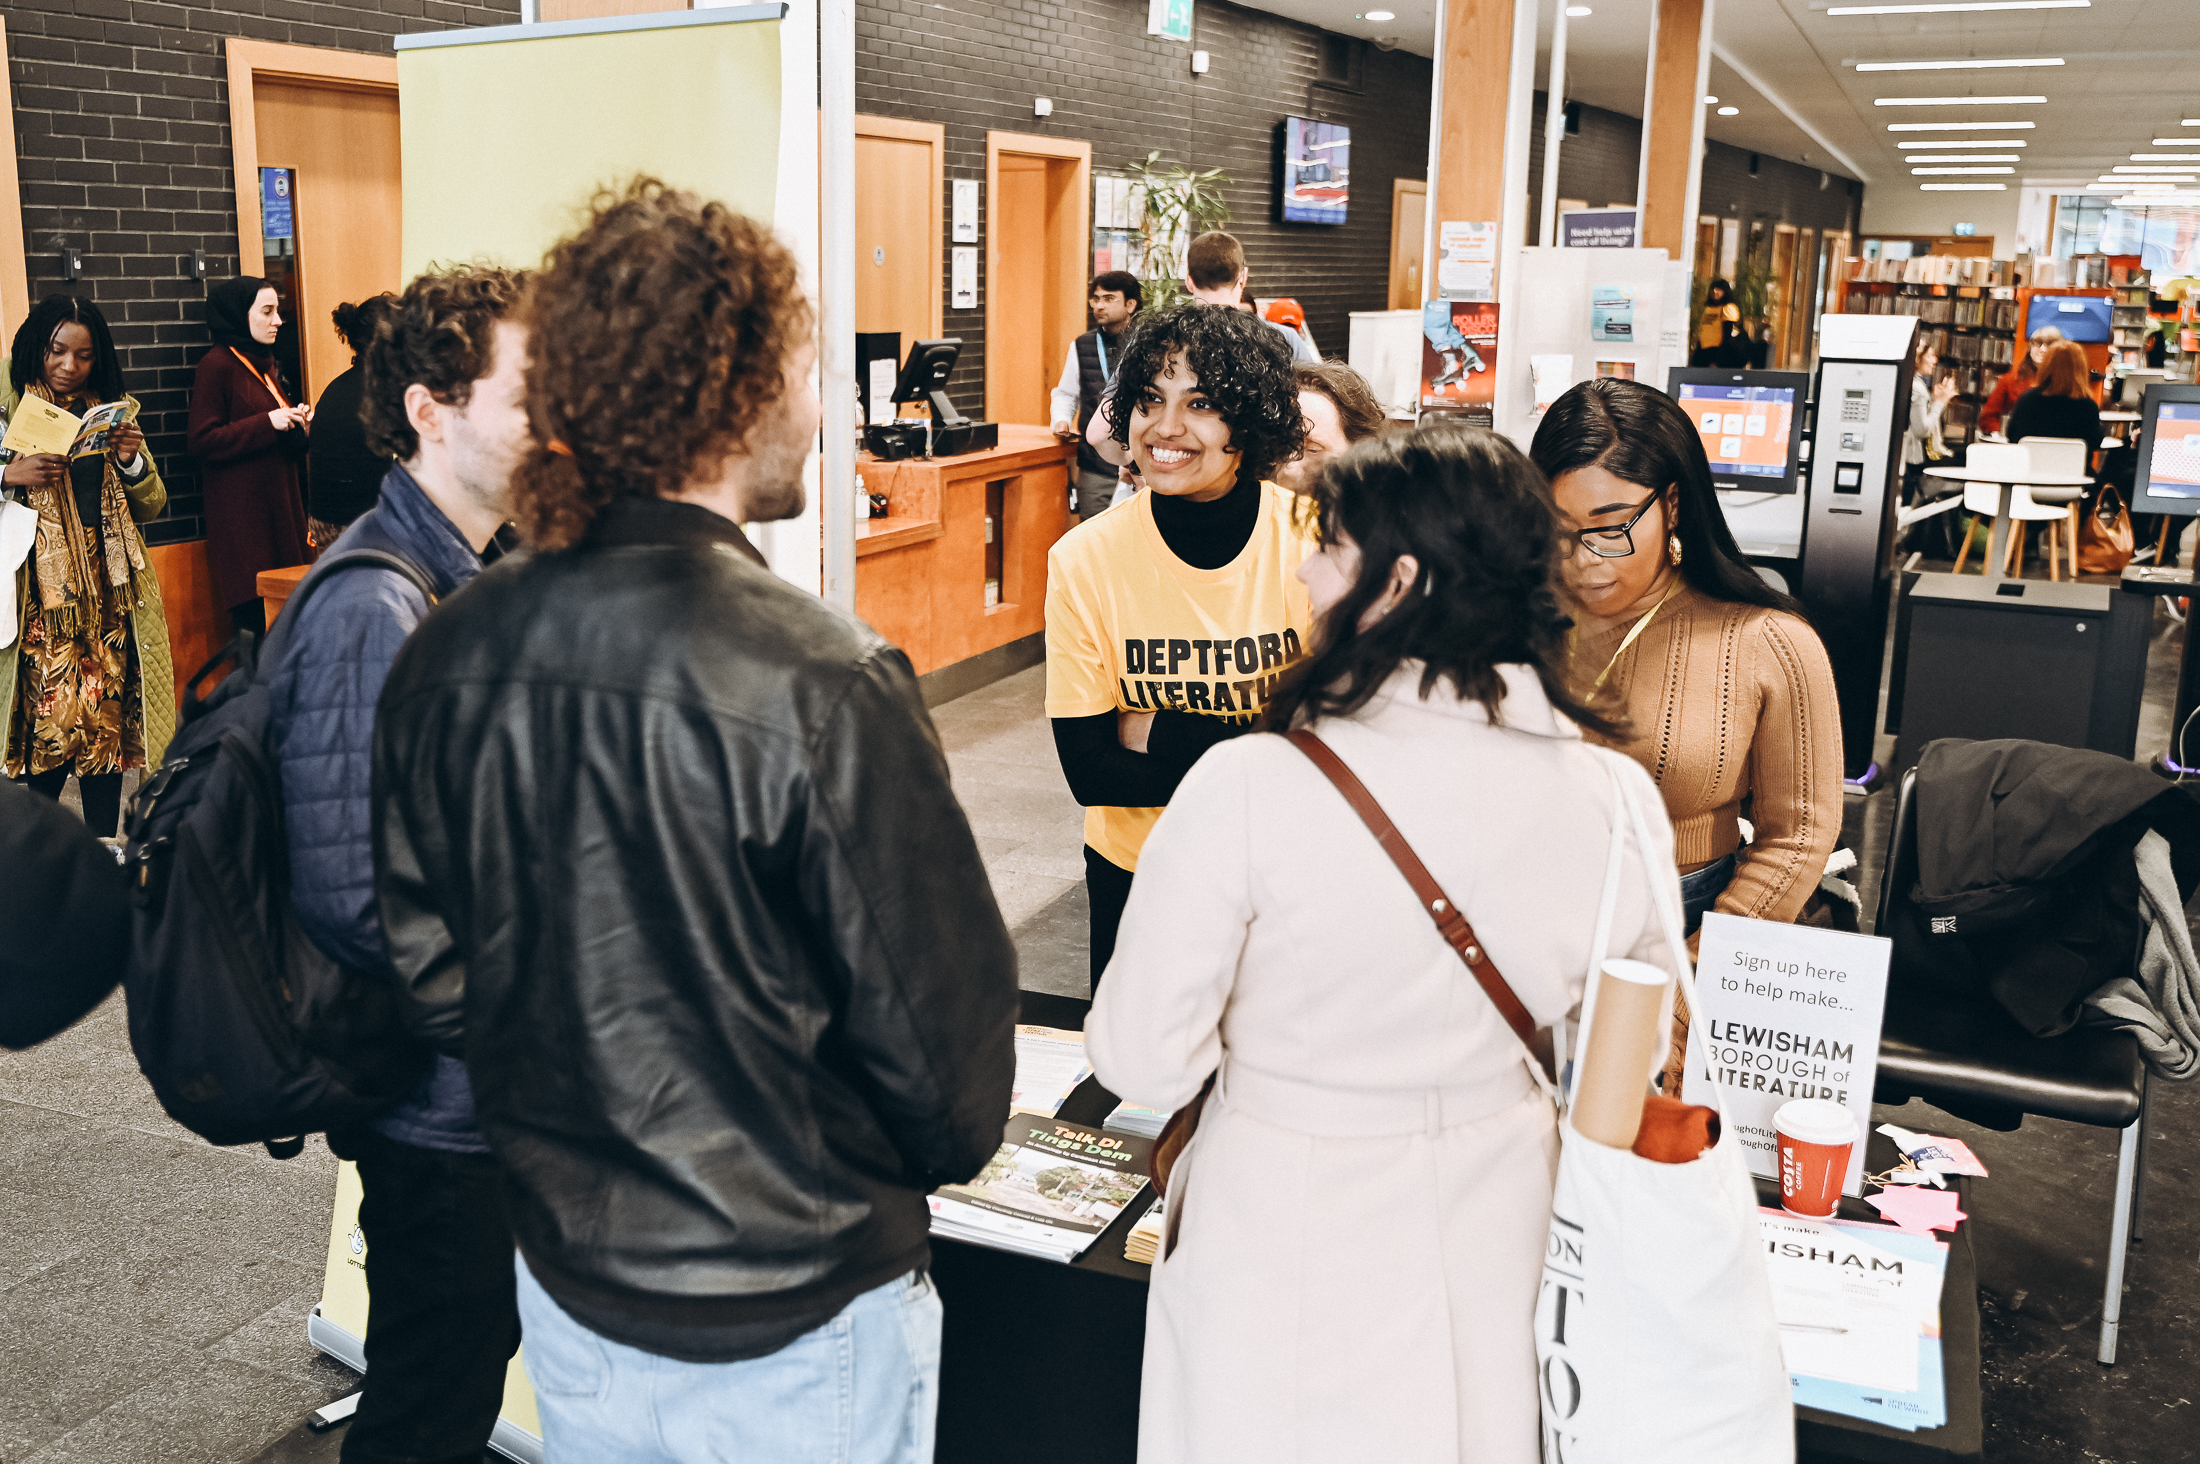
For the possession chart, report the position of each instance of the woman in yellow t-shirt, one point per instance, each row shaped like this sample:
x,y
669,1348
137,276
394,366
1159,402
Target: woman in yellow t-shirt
x,y
1170,616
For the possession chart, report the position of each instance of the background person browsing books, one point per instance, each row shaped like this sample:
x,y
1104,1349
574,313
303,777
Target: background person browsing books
x,y
248,432
1359,1220
1168,623
85,686
1725,688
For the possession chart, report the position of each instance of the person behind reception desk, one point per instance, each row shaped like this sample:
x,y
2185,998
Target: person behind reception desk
x,y
1086,371
1168,622
2015,383
667,851
85,681
440,389
1358,1224
248,434
1726,688
1340,411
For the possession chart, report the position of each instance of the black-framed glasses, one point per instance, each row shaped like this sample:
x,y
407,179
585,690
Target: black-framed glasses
x,y
1616,541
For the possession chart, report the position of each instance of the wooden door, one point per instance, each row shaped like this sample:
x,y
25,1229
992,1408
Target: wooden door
x,y
1802,293
1707,246
1039,233
1781,292
898,185
343,142
1408,238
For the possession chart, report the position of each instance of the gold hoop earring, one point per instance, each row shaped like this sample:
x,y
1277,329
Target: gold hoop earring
x,y
1673,547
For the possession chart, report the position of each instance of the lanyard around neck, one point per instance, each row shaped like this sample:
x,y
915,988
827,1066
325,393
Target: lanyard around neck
x,y
1100,344
272,389
1637,629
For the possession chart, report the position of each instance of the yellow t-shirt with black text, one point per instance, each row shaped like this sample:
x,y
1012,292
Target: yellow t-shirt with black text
x,y
1131,627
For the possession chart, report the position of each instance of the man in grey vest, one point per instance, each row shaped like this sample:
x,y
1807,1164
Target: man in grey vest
x,y
1086,371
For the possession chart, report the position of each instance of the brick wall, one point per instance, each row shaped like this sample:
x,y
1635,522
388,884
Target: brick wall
x,y
122,131
975,65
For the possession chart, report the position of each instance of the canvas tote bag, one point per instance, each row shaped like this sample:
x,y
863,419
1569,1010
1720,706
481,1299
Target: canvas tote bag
x,y
1656,1341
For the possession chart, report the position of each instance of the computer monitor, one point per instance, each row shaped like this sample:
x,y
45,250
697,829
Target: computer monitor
x,y
1749,422
2167,479
924,379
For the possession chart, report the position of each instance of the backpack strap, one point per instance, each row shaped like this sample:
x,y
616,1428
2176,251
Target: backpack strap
x,y
271,655
1450,923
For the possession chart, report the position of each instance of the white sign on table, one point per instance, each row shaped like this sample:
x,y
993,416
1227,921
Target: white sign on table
x,y
1787,1011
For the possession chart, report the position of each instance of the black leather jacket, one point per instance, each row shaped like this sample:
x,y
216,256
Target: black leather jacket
x,y
665,848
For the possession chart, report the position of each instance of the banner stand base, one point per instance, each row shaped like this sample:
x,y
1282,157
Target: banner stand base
x,y
509,1439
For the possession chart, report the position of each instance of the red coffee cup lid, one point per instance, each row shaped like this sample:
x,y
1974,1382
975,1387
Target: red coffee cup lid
x,y
1815,1121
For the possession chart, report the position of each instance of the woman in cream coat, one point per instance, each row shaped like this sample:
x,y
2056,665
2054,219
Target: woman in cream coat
x,y
1357,1229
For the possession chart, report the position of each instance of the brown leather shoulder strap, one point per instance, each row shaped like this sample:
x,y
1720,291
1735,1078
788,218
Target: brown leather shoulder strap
x,y
1450,923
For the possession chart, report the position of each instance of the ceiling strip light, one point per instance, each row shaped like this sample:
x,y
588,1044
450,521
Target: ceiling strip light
x,y
2161,157
1967,5
1966,126
2176,142
1958,101
1970,142
1965,158
2122,168
1963,187
1923,172
1958,65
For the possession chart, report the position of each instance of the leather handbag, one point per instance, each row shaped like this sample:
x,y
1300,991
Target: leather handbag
x,y
1450,923
2104,535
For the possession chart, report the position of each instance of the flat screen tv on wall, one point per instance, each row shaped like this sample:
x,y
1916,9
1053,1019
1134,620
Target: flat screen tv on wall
x,y
1317,171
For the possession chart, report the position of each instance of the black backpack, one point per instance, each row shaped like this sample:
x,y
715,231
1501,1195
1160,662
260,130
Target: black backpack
x,y
247,1032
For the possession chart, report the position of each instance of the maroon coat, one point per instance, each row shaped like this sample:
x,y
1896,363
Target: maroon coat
x,y
255,515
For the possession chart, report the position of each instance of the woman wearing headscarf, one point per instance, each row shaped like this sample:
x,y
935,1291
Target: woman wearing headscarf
x,y
85,680
248,433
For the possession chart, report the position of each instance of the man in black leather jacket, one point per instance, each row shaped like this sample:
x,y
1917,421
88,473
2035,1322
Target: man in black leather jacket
x,y
666,850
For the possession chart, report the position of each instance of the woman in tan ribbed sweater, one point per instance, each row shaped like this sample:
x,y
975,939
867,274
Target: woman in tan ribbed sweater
x,y
1726,688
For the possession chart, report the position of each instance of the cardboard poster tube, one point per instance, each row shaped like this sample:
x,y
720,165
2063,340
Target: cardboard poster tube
x,y
1623,1045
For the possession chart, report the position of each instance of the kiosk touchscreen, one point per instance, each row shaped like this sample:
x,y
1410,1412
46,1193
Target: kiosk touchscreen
x,y
1750,423
2168,475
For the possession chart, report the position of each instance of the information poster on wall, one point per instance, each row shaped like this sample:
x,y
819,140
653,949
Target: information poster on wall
x,y
1786,1012
1612,315
276,219
1466,261
1459,359
1596,228
966,210
963,277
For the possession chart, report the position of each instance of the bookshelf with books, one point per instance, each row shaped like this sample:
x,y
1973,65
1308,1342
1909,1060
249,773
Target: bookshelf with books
x,y
1972,327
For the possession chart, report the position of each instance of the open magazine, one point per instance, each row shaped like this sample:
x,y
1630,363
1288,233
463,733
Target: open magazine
x,y
38,426
1048,1192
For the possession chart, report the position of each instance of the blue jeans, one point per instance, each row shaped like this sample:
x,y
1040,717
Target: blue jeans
x,y
862,1389
1701,890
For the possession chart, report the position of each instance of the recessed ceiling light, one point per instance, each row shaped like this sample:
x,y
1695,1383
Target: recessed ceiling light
x,y
1968,5
1958,101
1924,172
1578,11
1730,111
1963,188
1958,65
1966,158
1970,142
1961,126
1711,101
1379,15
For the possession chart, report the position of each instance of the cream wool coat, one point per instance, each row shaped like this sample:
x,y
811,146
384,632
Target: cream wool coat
x,y
1361,1217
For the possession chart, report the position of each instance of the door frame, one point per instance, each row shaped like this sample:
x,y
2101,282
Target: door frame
x,y
15,284
319,66
1077,251
1399,188
934,136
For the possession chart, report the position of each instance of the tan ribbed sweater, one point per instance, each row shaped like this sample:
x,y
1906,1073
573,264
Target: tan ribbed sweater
x,y
1731,702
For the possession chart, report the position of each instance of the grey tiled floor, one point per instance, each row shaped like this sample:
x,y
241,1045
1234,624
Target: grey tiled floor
x,y
154,1290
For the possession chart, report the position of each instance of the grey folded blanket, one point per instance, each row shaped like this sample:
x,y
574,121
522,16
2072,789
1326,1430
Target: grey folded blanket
x,y
2162,1007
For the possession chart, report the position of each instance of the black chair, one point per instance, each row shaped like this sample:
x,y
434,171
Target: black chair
x,y
1972,1059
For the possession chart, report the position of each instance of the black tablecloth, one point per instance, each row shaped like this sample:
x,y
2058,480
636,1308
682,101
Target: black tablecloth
x,y
1040,1359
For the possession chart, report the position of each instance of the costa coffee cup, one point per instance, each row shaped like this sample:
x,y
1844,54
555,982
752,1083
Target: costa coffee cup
x,y
1815,1138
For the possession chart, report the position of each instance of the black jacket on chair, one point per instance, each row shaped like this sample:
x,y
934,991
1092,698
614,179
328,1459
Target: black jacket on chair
x,y
2026,892
665,848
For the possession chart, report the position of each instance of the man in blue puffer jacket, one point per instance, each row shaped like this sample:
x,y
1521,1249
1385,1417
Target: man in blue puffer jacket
x,y
444,397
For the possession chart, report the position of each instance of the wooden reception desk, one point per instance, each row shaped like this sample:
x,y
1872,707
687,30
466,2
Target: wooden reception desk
x,y
921,572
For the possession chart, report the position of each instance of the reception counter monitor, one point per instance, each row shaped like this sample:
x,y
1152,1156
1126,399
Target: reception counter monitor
x,y
2168,476
1750,423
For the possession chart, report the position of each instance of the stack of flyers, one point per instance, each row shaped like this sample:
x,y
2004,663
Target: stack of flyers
x,y
1050,1063
1143,1244
1129,1118
1048,1192
1859,1310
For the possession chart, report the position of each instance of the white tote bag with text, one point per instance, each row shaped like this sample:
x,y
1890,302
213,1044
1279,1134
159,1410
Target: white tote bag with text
x,y
1656,1341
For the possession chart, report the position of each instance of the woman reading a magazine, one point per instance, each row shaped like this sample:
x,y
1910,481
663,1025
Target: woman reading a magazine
x,y
85,681
1355,1234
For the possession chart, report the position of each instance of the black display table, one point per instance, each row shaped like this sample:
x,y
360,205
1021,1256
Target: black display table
x,y
1021,1333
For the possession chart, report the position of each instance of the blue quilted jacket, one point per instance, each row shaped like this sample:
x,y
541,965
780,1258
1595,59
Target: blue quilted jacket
x,y
332,663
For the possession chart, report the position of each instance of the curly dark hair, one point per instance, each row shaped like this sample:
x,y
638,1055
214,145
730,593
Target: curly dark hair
x,y
440,334
27,355
357,323
661,334
1241,364
1636,432
1476,514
